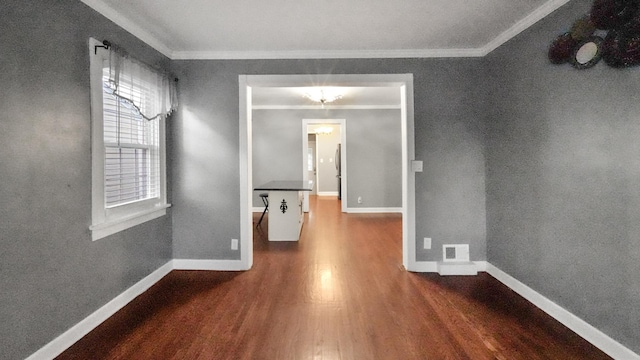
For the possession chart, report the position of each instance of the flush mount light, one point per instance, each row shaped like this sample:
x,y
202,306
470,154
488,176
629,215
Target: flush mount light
x,y
324,130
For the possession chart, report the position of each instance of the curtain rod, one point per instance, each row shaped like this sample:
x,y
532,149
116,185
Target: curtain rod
x,y
106,44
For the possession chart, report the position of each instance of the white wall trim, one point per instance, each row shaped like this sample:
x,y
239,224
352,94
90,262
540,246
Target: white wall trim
x,y
327,193
124,22
131,26
424,267
342,124
245,146
71,336
481,265
326,107
326,54
215,265
374,210
432,266
525,23
579,326
405,83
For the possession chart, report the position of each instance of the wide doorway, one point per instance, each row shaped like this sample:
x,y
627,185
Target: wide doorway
x,y
403,83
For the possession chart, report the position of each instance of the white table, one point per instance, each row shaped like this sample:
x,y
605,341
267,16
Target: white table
x,y
285,208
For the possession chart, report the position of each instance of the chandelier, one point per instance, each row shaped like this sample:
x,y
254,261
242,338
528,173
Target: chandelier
x,y
323,95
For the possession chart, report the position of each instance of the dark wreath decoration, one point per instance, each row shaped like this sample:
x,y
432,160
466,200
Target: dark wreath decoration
x,y
611,32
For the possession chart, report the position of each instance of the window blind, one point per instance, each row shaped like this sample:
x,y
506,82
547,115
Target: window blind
x,y
132,161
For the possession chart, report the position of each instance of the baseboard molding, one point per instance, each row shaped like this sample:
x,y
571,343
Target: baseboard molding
x,y
71,336
374,210
327,193
481,265
579,326
432,266
466,268
424,266
217,265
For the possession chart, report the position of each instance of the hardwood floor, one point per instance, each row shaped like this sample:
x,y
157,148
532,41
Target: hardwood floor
x,y
339,293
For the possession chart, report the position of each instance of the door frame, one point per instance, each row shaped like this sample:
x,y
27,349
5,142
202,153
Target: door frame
x,y
405,84
343,157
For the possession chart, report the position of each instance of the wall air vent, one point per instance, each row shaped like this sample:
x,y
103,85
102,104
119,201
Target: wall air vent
x,y
455,252
455,260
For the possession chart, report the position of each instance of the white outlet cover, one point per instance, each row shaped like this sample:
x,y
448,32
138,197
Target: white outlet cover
x,y
427,243
234,244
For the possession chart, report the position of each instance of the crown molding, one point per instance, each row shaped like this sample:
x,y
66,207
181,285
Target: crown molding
x,y
540,13
325,54
526,22
326,107
130,26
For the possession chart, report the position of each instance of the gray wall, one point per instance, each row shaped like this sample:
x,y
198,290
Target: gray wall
x,y
449,135
374,152
563,178
374,160
51,274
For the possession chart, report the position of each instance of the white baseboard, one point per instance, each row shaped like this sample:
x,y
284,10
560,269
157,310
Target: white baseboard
x,y
374,210
432,266
596,337
217,265
327,193
424,266
71,336
481,265
467,268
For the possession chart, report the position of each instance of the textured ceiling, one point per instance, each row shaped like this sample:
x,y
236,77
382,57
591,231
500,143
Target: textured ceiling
x,y
217,29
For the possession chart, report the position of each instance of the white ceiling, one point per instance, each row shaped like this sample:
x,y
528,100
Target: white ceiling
x,y
259,29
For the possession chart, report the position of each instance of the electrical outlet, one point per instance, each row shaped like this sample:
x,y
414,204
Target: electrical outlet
x,y
234,244
427,243
359,199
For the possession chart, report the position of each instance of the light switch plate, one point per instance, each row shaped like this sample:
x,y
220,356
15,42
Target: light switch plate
x,y
416,165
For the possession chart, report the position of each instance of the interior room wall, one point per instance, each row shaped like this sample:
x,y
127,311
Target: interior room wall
x,y
449,136
374,161
52,275
563,170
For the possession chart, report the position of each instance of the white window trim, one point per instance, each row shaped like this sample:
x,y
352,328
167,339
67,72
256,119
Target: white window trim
x,y
108,221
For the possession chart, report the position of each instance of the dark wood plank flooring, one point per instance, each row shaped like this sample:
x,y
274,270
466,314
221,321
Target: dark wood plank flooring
x,y
339,293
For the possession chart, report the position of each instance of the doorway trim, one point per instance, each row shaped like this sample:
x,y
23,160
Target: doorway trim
x,y
343,157
405,84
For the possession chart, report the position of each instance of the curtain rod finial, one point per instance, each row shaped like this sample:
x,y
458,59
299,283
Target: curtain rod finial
x,y
105,45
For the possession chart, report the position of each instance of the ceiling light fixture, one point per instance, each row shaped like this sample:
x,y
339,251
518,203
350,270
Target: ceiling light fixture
x,y
323,95
324,130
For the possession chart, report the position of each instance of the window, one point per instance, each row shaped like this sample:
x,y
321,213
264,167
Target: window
x,y
128,144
